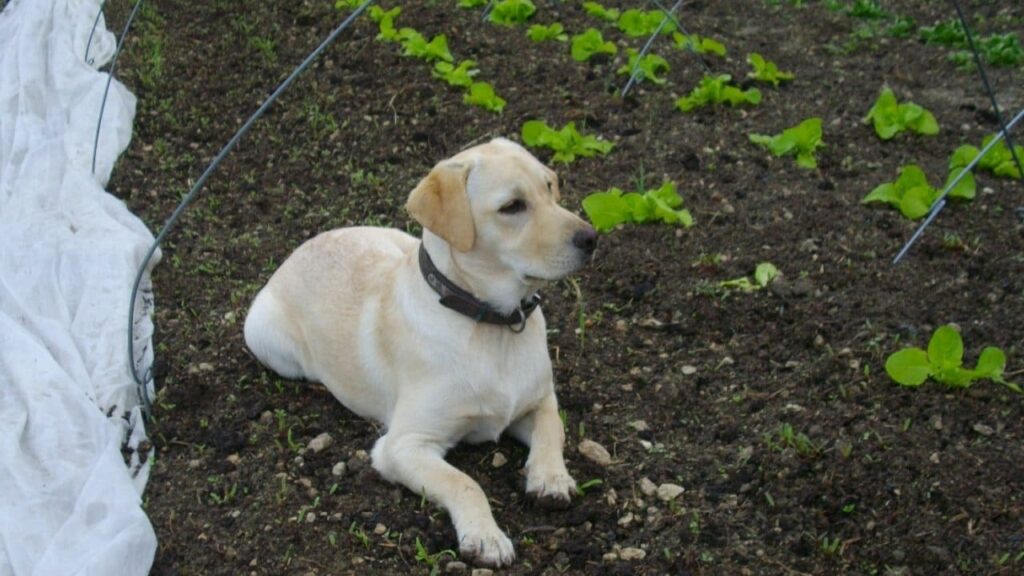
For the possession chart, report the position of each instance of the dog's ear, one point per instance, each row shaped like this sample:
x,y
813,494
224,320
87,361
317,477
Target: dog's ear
x,y
440,203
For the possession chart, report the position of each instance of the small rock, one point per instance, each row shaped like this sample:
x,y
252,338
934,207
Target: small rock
x,y
610,557
936,422
455,567
983,429
647,487
689,370
205,367
621,326
267,418
310,517
339,469
234,459
595,452
380,529
639,425
668,492
626,520
630,554
482,572
499,460
320,443
193,464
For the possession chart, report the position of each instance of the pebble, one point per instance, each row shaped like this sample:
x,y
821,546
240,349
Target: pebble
x,y
630,554
689,370
610,557
267,418
193,464
339,469
482,572
668,492
626,520
380,529
320,443
639,425
310,517
595,452
984,429
234,459
499,460
455,567
647,487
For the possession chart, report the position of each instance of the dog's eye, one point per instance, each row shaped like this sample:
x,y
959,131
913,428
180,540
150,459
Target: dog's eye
x,y
514,207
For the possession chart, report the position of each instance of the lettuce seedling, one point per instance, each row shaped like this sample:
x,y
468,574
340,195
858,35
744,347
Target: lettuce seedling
x,y
647,67
943,362
867,10
482,94
698,44
472,3
511,12
636,23
913,195
765,70
542,33
800,141
347,4
716,90
945,34
608,209
599,11
1001,50
415,45
567,143
461,75
386,22
890,117
999,160
589,43
764,273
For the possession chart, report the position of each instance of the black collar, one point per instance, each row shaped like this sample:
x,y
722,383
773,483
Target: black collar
x,y
468,305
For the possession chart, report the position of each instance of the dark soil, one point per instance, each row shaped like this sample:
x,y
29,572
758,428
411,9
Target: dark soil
x,y
772,408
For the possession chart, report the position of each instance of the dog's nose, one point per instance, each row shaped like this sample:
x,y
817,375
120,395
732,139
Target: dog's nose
x,y
585,240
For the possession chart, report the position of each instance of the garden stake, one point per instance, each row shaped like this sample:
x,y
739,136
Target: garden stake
x,y
679,25
487,10
92,32
110,78
988,87
941,202
142,381
647,46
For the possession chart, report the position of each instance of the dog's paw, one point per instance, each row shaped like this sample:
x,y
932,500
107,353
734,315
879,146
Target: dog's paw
x,y
488,547
551,490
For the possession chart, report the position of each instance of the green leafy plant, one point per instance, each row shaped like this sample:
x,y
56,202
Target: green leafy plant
x,y
867,10
913,195
943,362
901,27
608,209
717,90
385,20
1002,50
472,3
511,12
765,70
599,11
431,560
461,75
567,143
542,33
636,23
646,67
347,4
698,44
800,141
949,33
589,43
890,117
415,45
482,94
764,273
999,160
582,488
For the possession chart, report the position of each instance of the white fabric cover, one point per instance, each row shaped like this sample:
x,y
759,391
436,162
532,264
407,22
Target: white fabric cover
x,y
69,502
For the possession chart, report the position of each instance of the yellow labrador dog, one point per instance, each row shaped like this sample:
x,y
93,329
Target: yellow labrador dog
x,y
441,340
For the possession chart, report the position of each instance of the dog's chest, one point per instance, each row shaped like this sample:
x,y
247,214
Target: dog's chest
x,y
502,391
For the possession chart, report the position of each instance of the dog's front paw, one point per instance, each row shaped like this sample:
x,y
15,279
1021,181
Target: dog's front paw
x,y
486,546
554,490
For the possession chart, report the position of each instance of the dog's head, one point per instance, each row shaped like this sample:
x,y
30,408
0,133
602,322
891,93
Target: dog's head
x,y
497,206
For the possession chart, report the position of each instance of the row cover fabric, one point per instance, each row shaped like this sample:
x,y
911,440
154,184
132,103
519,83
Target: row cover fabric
x,y
73,463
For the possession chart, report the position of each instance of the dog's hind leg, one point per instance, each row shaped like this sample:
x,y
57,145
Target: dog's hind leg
x,y
272,336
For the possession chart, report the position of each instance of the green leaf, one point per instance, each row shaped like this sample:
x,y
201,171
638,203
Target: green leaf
x,y
765,273
646,68
590,42
889,117
511,12
698,44
599,11
965,188
542,33
482,94
917,201
766,71
908,367
884,193
991,363
567,142
801,141
946,348
716,90
606,210
461,75
636,23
